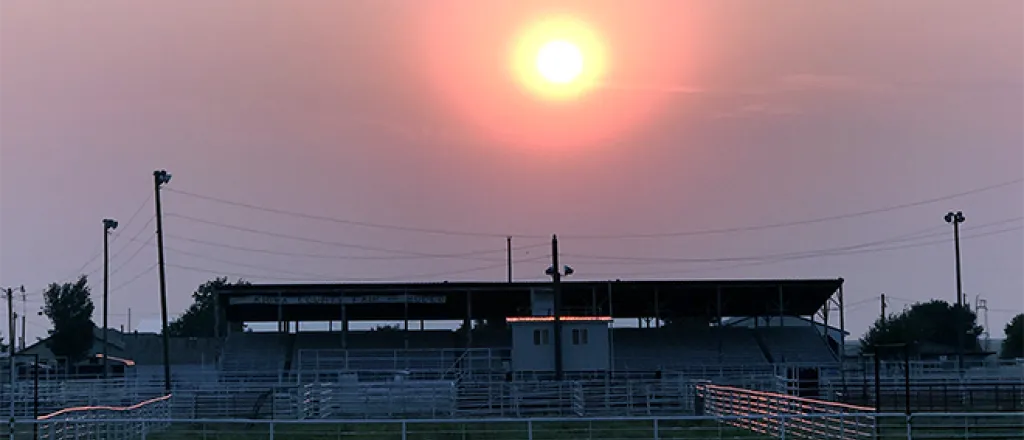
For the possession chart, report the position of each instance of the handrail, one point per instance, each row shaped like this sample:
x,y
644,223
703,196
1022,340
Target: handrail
x,y
104,408
786,397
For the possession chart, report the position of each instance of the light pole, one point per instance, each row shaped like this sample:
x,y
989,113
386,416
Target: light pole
x,y
556,281
955,218
108,225
160,178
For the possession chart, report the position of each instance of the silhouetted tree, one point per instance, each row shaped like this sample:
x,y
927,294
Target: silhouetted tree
x,y
1013,345
199,319
930,322
69,308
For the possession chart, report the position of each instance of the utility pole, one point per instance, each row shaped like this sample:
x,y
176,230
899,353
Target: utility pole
x,y
955,218
882,317
508,249
556,282
108,225
11,348
161,177
556,278
24,314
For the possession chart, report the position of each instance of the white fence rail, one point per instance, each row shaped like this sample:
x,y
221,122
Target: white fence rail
x,y
105,422
932,426
808,418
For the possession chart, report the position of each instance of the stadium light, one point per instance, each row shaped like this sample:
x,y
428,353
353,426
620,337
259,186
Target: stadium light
x,y
955,218
109,224
160,178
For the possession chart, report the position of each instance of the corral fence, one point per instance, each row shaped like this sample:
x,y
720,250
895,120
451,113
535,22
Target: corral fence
x,y
756,411
932,426
941,395
105,422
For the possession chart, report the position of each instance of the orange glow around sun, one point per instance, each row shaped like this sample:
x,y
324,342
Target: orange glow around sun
x,y
531,76
558,59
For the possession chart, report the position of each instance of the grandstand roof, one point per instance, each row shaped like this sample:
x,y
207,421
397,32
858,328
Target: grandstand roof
x,y
448,301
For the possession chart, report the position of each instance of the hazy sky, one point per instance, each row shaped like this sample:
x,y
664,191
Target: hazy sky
x,y
712,114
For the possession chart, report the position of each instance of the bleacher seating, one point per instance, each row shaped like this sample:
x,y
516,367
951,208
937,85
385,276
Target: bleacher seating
x,y
147,349
696,350
796,345
254,357
683,348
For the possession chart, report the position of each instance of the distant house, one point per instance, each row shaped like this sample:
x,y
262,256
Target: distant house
x,y
115,340
142,352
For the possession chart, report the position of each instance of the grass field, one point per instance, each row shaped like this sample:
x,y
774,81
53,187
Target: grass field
x,y
924,426
465,431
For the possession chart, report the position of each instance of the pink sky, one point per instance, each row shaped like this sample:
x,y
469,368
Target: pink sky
x,y
716,114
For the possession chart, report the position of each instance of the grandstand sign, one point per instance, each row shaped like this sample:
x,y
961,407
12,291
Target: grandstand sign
x,y
336,300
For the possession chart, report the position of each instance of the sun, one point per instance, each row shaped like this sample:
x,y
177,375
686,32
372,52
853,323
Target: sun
x,y
559,59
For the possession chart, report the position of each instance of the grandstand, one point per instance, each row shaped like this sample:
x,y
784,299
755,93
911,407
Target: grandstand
x,y
488,351
506,364
627,348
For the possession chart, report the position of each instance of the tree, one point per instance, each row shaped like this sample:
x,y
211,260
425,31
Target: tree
x,y
200,319
930,322
1013,345
69,307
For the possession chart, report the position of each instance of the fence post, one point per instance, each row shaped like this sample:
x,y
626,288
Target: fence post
x,y
657,435
529,429
910,432
782,426
271,430
405,430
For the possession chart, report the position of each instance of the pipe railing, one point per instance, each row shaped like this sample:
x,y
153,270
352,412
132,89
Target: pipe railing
x,y
106,422
831,420
945,426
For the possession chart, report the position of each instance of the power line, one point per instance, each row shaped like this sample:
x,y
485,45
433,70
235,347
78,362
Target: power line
x,y
134,278
134,215
850,249
803,222
251,266
370,279
350,257
81,271
134,238
647,260
313,240
602,236
833,254
346,221
132,256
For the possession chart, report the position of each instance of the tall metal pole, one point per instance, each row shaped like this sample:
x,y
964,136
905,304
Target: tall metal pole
x,y
556,278
10,318
956,218
161,177
106,299
959,278
508,248
108,225
24,313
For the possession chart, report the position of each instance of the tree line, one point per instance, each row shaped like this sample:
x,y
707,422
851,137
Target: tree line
x,y
70,309
936,324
